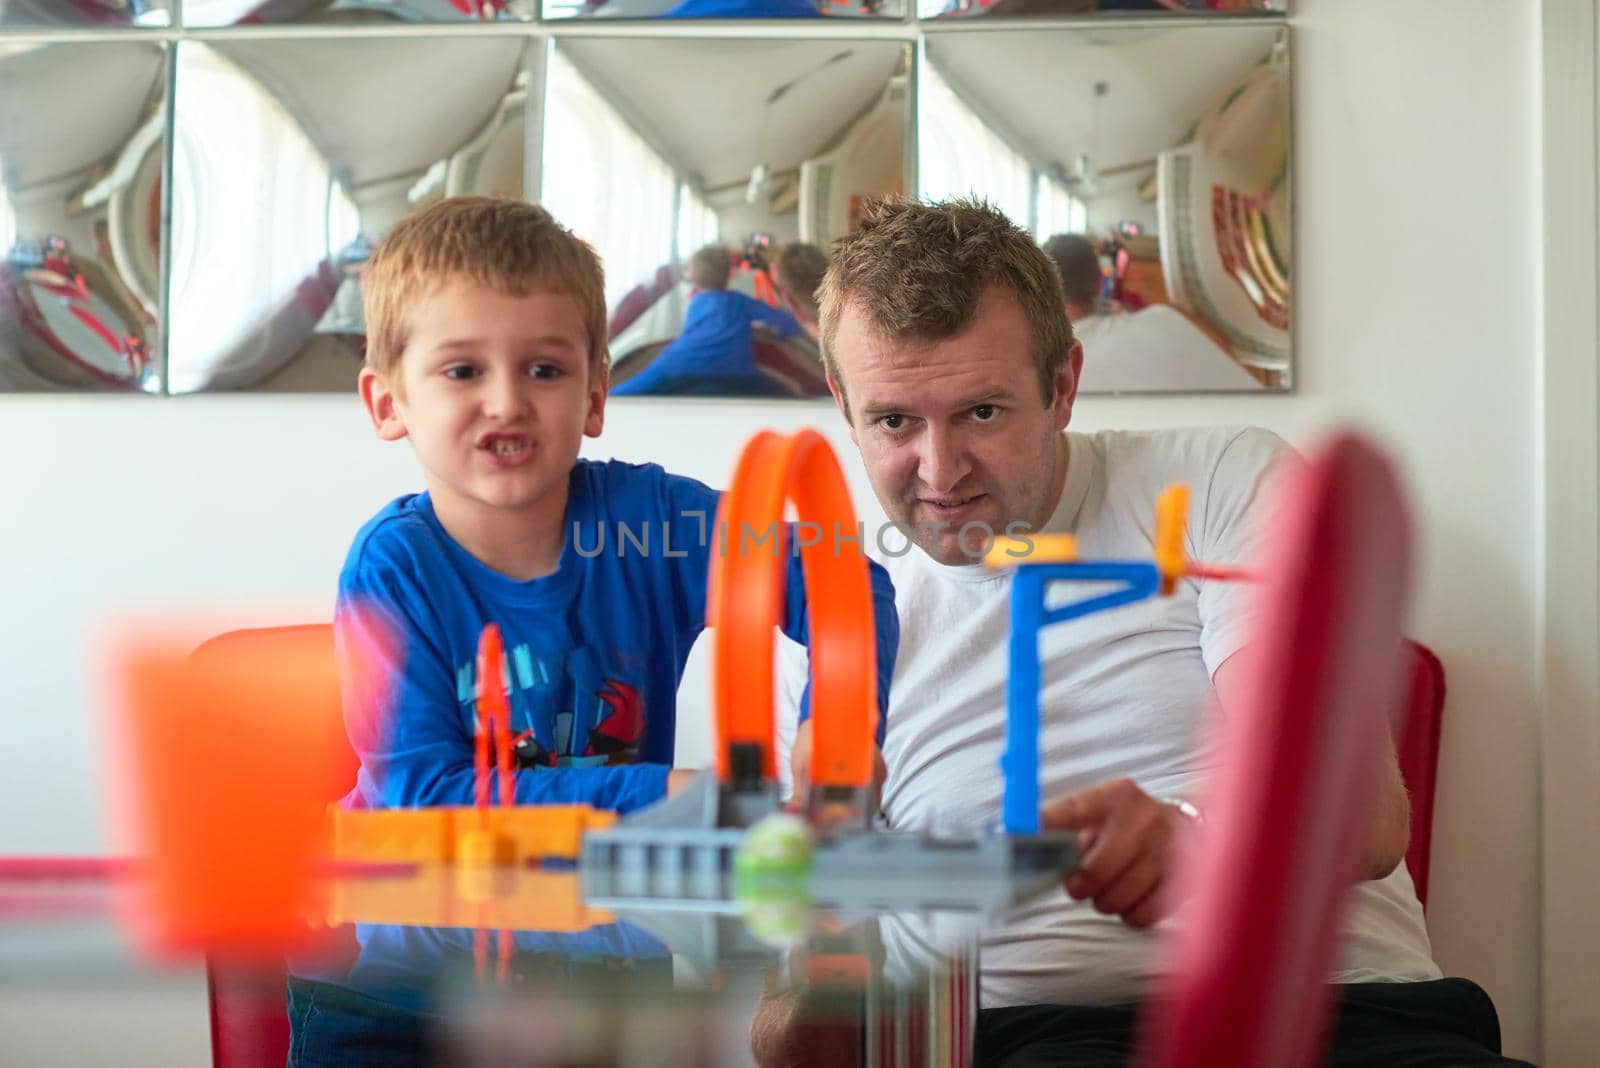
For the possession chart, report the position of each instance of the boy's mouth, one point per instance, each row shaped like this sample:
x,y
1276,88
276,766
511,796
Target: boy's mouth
x,y
504,446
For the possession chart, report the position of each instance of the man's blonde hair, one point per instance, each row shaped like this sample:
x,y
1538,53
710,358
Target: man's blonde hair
x,y
916,271
509,245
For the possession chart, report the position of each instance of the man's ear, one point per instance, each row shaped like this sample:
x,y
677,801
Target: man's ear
x,y
378,397
844,406
594,420
1066,384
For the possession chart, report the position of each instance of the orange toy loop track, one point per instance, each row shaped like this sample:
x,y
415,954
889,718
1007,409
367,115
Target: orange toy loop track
x,y
745,603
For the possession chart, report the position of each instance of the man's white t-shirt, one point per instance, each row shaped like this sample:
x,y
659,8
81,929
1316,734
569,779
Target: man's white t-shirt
x,y
1155,348
1122,694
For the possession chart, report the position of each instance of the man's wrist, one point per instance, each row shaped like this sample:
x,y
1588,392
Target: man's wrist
x,y
1186,809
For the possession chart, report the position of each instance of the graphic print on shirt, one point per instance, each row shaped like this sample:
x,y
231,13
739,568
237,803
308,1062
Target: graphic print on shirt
x,y
567,709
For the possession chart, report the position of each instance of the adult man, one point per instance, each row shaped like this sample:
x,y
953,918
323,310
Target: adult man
x,y
1155,348
952,359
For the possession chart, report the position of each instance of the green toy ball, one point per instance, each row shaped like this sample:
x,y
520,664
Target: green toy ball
x,y
779,845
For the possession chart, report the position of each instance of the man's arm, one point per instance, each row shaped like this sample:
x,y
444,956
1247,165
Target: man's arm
x,y
1388,818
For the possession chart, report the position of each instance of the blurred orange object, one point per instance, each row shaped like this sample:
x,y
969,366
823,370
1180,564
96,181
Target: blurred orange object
x,y
227,758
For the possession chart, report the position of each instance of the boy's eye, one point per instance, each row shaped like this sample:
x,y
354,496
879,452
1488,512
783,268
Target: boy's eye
x,y
460,372
545,370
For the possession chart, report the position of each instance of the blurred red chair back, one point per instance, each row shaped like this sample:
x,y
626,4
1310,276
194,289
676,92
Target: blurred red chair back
x,y
1245,978
249,1019
1419,755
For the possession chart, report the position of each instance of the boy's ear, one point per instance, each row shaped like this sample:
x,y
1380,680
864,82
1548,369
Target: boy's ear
x,y
379,400
594,419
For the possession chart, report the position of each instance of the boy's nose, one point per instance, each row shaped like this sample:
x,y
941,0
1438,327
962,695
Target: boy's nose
x,y
504,397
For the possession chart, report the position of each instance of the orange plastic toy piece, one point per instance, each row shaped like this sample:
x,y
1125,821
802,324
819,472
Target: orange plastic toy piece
x,y
433,835
745,602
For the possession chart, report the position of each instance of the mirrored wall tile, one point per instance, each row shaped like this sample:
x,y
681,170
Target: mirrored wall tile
x,y
206,13
84,14
757,163
1154,164
81,149
724,9
291,160
970,9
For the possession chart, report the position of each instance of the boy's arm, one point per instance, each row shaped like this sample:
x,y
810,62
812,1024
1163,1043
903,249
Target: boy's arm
x,y
412,734
691,509
777,320
885,622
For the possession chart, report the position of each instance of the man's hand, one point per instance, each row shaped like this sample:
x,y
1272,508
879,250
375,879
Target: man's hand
x,y
800,765
1125,843
678,778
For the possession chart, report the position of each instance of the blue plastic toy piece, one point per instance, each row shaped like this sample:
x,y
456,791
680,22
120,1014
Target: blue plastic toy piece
x,y
1019,764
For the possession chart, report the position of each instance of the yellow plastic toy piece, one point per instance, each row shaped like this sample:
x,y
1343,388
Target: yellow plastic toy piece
x,y
462,835
1034,549
1172,509
431,896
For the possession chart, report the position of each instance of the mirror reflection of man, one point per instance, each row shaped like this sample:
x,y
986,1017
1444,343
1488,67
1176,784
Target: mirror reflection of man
x,y
797,273
950,354
1155,348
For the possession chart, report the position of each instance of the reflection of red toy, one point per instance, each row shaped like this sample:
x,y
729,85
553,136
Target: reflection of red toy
x,y
114,358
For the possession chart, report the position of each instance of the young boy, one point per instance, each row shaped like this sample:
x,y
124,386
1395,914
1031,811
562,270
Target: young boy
x,y
486,347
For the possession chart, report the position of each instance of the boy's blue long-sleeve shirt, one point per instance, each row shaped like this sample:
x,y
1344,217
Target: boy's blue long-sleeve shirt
x,y
715,342
594,651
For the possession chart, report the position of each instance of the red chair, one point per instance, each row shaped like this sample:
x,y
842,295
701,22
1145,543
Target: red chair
x,y
1245,983
1419,756
249,1020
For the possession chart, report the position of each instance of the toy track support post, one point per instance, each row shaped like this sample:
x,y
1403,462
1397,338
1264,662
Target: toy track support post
x,y
745,603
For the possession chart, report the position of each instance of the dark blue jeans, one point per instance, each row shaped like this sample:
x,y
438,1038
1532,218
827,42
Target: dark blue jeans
x,y
332,1026
1446,1023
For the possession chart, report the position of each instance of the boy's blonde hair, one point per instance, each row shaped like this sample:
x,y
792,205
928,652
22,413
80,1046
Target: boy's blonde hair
x,y
509,245
917,270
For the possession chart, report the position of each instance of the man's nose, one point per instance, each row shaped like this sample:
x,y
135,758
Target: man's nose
x,y
942,463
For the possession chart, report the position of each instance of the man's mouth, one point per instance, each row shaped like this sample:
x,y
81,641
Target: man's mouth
x,y
949,504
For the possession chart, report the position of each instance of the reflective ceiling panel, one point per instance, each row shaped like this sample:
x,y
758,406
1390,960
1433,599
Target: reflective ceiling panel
x,y
204,13
291,160
808,10
773,144
1154,163
82,138
1008,9
84,14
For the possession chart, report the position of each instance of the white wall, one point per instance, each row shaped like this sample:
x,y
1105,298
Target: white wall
x,y
1416,256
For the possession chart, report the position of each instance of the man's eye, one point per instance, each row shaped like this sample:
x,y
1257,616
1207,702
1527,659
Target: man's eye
x,y
892,422
985,412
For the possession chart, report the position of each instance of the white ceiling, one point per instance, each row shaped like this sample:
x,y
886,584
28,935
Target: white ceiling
x,y
704,101
1041,83
383,106
65,106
